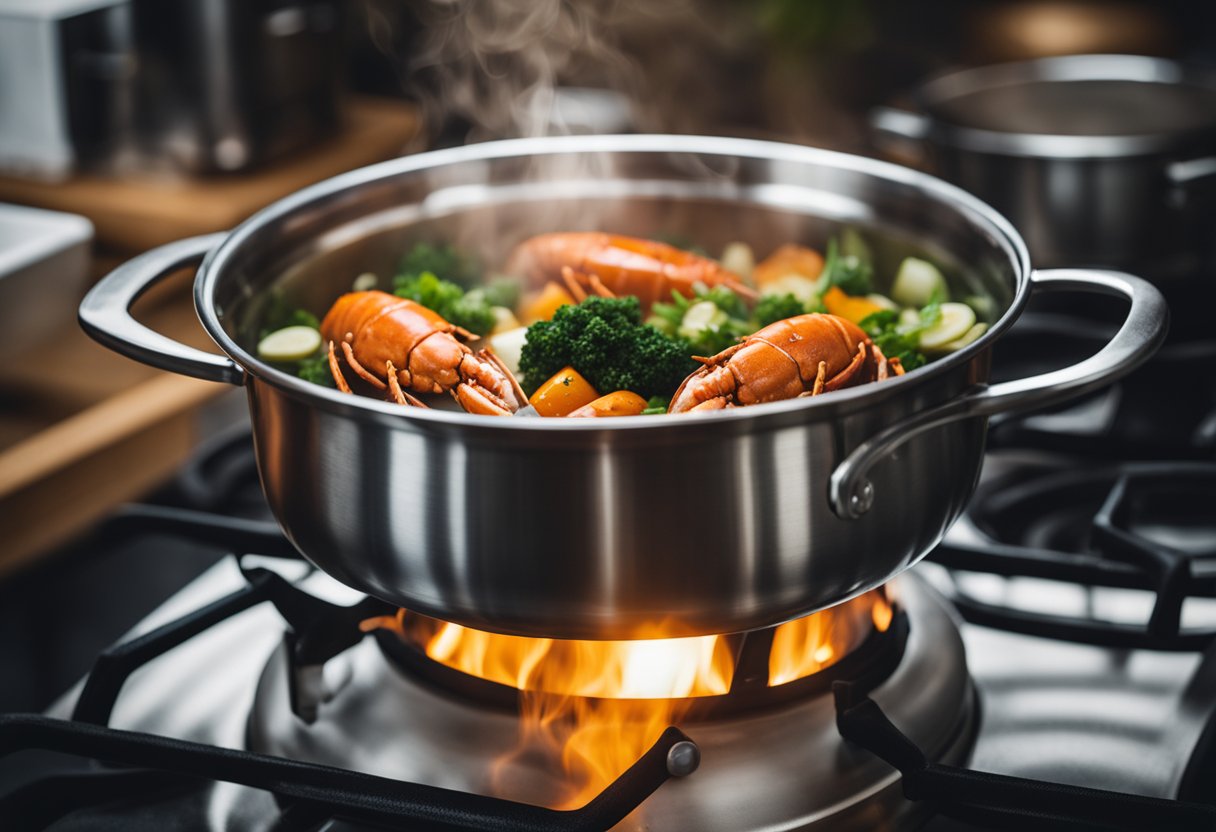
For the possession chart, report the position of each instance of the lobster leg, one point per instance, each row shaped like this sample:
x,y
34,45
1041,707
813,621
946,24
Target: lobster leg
x,y
394,386
845,376
487,387
336,370
359,369
571,280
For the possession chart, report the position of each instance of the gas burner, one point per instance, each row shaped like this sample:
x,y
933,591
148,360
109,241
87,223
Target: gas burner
x,y
1163,410
785,757
861,641
1133,526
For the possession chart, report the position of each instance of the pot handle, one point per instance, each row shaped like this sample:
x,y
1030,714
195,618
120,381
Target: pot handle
x,y
849,492
899,132
105,313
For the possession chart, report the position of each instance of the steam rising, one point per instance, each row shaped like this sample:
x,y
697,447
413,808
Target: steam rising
x,y
497,64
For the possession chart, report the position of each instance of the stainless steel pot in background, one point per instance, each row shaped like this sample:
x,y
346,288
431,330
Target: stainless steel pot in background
x,y
1101,160
605,528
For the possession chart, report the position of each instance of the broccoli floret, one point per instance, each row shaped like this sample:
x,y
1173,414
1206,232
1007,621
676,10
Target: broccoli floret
x,y
471,311
606,341
772,308
441,260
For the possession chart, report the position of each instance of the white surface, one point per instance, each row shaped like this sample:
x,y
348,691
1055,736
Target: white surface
x,y
44,260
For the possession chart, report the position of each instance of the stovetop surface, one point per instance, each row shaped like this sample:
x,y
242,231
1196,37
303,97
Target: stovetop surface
x,y
1064,693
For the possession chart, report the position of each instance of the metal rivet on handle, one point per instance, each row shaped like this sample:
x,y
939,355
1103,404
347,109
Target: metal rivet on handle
x,y
683,758
862,498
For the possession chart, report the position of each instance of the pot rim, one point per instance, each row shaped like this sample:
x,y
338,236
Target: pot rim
x,y
1095,67
978,213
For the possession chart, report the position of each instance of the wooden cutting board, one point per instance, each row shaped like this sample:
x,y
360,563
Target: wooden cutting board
x,y
136,213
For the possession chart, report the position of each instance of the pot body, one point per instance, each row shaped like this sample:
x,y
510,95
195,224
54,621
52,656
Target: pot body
x,y
1102,160
625,527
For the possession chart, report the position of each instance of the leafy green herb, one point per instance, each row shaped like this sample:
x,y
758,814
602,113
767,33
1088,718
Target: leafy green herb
x,y
316,370
900,341
718,318
471,311
499,291
848,271
656,406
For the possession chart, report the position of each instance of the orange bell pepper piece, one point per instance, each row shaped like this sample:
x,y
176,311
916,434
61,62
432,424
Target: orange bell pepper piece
x,y
618,403
542,306
564,392
787,260
848,307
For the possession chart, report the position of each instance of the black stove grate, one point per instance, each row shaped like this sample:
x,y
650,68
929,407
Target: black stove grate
x,y
1097,528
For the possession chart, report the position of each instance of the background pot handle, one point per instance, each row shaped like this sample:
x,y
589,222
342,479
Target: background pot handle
x,y
899,132
105,313
851,494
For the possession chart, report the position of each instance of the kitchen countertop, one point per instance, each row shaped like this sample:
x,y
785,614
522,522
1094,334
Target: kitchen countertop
x,y
83,429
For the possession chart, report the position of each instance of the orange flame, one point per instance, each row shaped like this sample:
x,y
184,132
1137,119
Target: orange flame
x,y
594,707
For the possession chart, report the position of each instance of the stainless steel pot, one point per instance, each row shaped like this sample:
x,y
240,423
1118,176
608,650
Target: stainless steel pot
x,y
607,528
1096,159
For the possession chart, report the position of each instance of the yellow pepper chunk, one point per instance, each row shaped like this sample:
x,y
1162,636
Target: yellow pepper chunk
x,y
542,306
848,307
566,391
618,403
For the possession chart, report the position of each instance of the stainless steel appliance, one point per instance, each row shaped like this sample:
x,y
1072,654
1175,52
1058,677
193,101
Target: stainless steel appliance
x,y
1101,160
726,523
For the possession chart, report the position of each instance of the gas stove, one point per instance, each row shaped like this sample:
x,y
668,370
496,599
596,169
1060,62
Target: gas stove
x,y
1051,663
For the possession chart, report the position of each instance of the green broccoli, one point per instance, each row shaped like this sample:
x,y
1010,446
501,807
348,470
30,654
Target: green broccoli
x,y
772,308
471,311
441,260
606,341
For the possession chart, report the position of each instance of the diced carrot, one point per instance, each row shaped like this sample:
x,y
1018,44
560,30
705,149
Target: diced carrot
x,y
542,306
789,259
848,307
618,403
564,392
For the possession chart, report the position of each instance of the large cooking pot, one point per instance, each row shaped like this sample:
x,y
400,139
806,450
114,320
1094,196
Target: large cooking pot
x,y
606,528
1097,159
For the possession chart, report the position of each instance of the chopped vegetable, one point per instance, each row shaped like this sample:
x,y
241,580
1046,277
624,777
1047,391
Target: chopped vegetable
x,y
656,405
897,334
918,282
470,310
441,260
848,271
504,320
617,403
542,307
848,307
953,323
364,282
710,321
882,301
803,288
788,260
279,315
771,308
508,346
293,343
566,391
606,341
969,337
738,258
